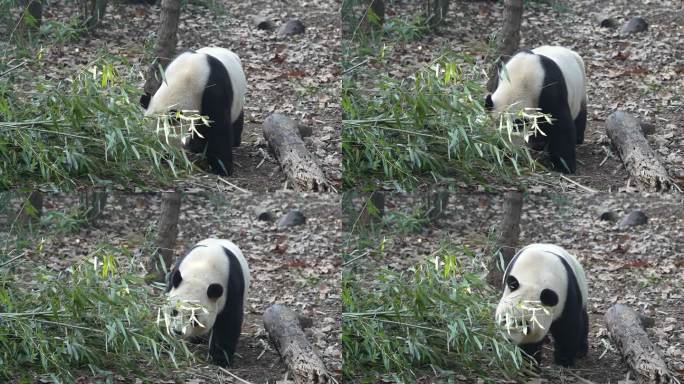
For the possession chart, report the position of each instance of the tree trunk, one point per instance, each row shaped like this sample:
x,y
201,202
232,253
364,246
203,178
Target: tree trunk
x,y
167,232
507,237
92,12
643,358
378,8
373,209
31,17
93,203
436,11
304,365
508,39
373,16
164,48
296,161
436,203
641,162
31,209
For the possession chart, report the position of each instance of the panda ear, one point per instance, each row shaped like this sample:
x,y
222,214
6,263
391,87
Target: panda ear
x,y
214,291
176,278
512,283
145,100
489,104
548,297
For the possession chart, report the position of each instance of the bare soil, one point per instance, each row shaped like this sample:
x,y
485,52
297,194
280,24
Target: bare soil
x,y
298,266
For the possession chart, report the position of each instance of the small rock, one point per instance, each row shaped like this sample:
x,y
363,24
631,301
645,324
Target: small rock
x,y
609,216
294,217
263,22
304,321
264,214
633,219
292,27
304,130
635,24
647,128
605,21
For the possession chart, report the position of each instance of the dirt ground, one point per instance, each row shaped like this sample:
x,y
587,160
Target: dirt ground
x,y
639,266
297,76
639,73
298,266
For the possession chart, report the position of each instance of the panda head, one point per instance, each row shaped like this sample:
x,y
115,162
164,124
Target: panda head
x,y
540,283
519,85
527,310
182,88
184,81
197,292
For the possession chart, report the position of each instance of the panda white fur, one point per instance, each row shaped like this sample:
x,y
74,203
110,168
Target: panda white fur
x,y
211,81
214,275
553,79
545,275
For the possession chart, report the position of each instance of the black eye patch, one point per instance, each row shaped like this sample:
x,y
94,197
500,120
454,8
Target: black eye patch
x,y
214,291
512,283
548,297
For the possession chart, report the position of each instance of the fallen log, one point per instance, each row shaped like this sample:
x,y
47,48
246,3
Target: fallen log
x,y
284,329
295,160
626,329
624,130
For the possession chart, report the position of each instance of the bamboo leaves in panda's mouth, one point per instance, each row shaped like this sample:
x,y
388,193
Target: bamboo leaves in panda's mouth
x,y
185,311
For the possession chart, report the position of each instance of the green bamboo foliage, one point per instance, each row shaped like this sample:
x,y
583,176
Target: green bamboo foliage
x,y
88,127
429,126
435,320
94,317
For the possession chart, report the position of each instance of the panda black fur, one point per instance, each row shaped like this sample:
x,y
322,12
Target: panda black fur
x,y
553,79
215,276
546,274
211,81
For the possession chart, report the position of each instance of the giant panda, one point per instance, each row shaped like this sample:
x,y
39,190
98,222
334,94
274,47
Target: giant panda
x,y
552,79
211,81
549,279
213,276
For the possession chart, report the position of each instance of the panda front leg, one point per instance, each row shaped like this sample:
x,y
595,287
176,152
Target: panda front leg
x,y
533,350
193,142
220,159
567,336
566,350
217,94
584,335
562,140
221,352
220,147
225,335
